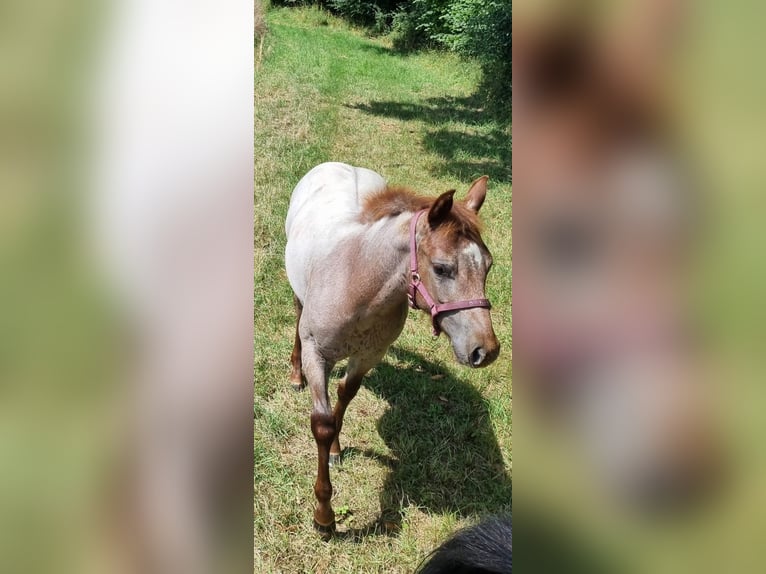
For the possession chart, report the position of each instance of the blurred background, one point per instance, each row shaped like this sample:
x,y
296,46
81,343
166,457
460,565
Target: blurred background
x,y
638,324
126,273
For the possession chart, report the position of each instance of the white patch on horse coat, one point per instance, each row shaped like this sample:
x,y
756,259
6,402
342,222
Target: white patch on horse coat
x,y
324,211
472,251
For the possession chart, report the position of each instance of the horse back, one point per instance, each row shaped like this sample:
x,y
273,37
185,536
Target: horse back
x,y
324,212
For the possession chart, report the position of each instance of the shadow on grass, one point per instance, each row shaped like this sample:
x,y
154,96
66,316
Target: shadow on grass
x,y
381,50
484,148
445,457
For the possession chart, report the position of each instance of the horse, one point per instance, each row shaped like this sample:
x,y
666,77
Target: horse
x,y
486,548
358,252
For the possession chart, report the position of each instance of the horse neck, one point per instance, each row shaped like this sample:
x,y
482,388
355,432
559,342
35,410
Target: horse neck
x,y
386,250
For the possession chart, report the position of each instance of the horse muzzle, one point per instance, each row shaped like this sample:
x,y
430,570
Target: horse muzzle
x,y
476,353
482,356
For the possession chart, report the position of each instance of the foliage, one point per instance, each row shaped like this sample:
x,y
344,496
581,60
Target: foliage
x,y
426,20
357,11
405,35
482,29
479,29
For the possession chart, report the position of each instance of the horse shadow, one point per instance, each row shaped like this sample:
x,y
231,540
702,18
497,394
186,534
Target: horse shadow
x,y
444,456
484,148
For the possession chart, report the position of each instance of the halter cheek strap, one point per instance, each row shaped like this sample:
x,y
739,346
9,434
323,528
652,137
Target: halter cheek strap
x,y
416,286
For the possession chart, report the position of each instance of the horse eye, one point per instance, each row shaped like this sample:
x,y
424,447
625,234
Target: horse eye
x,y
442,270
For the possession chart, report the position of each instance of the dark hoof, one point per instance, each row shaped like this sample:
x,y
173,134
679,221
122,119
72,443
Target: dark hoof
x,y
334,459
298,387
325,532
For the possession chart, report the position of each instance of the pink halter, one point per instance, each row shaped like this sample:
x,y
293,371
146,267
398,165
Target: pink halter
x,y
417,287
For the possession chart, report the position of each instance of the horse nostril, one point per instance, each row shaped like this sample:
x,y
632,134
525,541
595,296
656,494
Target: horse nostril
x,y
477,356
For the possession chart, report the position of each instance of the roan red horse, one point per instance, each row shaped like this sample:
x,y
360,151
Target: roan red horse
x,y
358,250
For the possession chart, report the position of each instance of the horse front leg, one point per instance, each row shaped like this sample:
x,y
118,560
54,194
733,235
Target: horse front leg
x,y
347,390
317,372
358,366
323,427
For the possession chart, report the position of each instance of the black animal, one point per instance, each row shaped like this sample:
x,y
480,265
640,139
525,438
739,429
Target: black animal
x,y
486,548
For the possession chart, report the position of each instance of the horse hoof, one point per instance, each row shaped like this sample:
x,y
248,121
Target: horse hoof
x,y
298,387
325,532
334,459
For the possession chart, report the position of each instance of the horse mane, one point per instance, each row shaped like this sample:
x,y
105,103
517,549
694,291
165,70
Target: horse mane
x,y
486,548
392,201
395,200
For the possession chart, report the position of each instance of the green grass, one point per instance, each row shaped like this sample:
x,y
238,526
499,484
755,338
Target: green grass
x,y
428,442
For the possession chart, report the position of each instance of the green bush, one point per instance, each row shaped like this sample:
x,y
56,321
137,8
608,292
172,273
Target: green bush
x,y
356,11
430,20
377,15
482,29
404,32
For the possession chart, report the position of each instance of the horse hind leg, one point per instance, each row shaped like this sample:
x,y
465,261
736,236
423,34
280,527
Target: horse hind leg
x,y
347,389
296,378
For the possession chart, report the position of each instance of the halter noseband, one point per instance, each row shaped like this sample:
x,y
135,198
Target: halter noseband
x,y
416,286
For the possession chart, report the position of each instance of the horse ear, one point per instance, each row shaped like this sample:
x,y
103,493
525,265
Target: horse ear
x,y
441,208
476,194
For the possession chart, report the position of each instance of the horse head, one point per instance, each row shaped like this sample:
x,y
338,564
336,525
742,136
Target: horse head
x,y
451,265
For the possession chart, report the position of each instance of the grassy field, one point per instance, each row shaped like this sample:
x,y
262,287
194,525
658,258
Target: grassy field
x,y
428,443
